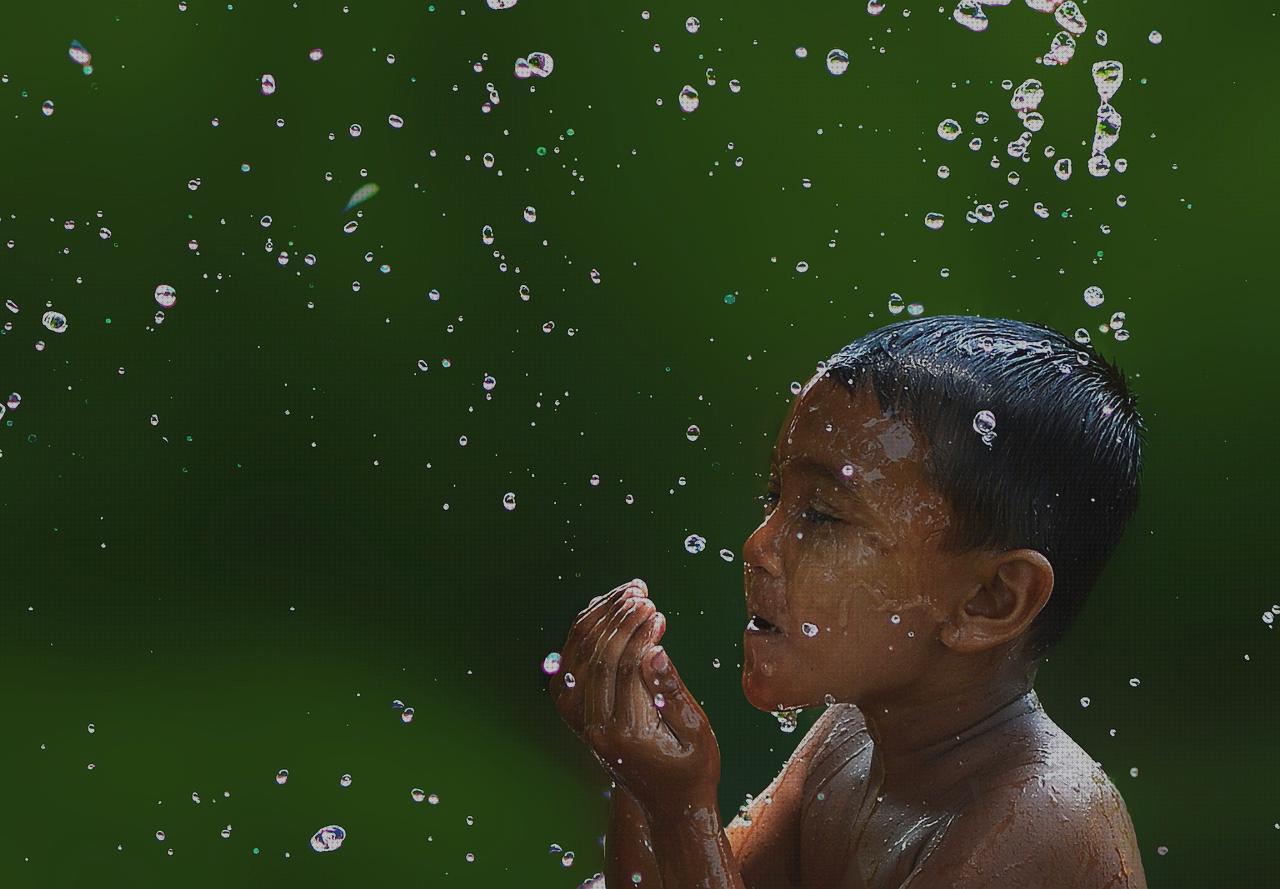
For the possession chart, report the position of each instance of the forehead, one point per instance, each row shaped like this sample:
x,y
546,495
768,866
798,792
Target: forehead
x,y
826,422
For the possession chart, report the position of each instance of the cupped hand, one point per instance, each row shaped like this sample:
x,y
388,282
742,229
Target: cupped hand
x,y
620,693
587,658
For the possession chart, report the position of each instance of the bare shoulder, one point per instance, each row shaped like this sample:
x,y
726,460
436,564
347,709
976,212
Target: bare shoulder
x,y
1043,816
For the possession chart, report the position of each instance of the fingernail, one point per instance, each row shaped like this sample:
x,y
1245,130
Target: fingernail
x,y
660,660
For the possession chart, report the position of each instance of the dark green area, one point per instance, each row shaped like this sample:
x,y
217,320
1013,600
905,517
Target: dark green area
x,y
259,602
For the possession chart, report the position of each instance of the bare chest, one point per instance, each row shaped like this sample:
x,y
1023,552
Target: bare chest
x,y
854,836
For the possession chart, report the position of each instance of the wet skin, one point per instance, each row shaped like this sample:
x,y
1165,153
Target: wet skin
x,y
925,644
933,767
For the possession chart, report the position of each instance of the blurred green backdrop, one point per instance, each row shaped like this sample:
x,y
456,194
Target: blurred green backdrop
x,y
299,538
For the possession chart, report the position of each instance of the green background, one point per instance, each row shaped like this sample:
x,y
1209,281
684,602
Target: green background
x,y
221,599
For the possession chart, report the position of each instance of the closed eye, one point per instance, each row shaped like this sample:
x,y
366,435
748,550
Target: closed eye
x,y
810,514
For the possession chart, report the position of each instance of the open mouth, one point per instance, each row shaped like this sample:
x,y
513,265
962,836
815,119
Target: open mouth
x,y
758,624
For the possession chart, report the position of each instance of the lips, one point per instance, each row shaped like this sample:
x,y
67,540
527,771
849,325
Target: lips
x,y
763,626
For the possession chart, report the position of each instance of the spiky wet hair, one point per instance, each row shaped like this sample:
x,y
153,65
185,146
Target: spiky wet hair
x,y
1062,473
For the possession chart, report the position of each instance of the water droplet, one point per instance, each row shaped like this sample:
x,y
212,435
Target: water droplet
x,y
282,776
692,433
1028,95
984,422
316,54
509,501
268,84
688,99
837,61
1084,702
1156,38
691,24
551,663
166,296
1107,77
530,214
809,629
418,794
344,781
695,544
970,14
949,129
1093,296
406,715
328,839
934,220
570,680
55,321
1135,682
787,719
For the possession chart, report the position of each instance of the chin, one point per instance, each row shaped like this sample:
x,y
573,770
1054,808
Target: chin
x,y
766,686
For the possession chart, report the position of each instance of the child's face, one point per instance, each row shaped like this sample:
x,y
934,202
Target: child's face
x,y
855,605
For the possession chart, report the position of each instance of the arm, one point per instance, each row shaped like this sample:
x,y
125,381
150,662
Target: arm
x,y
766,838
758,849
691,847
628,849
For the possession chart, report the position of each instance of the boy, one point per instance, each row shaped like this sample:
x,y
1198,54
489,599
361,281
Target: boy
x,y
942,497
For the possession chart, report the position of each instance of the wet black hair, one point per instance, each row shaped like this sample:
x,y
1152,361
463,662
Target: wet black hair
x,y
1061,474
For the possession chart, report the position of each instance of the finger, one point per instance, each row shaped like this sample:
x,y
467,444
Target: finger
x,y
575,689
633,705
590,617
567,688
602,669
680,711
660,629
586,656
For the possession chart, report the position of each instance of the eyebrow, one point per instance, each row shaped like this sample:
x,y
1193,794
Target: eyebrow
x,y
808,464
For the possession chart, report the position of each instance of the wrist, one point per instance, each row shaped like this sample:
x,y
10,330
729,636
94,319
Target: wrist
x,y
678,798
685,815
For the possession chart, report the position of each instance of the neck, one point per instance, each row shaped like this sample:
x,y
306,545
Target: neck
x,y
913,733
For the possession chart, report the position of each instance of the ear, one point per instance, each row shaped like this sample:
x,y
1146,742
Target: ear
x,y
1014,586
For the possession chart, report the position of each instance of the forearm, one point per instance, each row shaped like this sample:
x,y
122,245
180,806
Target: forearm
x,y
628,847
692,849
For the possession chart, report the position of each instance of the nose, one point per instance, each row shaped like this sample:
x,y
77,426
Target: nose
x,y
761,549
